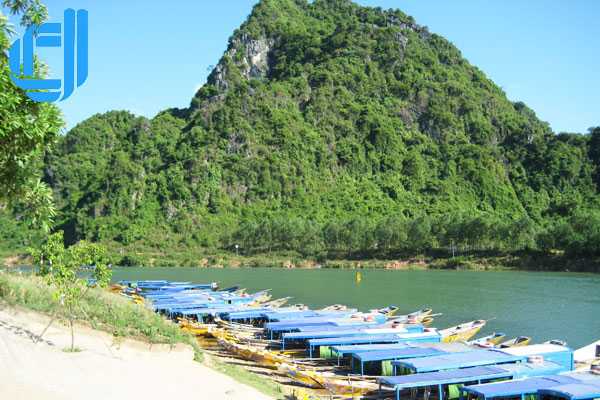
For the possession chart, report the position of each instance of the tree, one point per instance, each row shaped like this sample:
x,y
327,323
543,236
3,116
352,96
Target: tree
x,y
594,153
64,270
28,128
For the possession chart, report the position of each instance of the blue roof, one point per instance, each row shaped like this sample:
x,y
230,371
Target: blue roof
x,y
333,326
445,377
458,360
386,338
258,313
397,354
518,387
400,333
295,314
364,348
574,391
529,370
321,334
340,321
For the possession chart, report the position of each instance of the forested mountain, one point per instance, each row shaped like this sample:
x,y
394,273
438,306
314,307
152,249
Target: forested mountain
x,y
331,127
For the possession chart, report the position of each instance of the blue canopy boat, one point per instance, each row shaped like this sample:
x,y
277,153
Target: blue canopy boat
x,y
571,385
277,316
572,391
445,384
379,362
343,350
448,361
517,388
550,352
308,339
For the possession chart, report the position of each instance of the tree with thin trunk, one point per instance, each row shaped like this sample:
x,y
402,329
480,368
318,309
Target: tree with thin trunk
x,y
70,272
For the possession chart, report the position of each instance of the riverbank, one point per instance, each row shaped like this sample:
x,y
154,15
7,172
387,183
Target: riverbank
x,y
476,261
103,368
107,326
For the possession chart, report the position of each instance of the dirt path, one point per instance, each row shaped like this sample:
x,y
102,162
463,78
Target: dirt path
x,y
103,369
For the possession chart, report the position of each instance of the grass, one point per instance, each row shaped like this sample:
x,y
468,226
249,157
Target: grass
x,y
99,309
72,350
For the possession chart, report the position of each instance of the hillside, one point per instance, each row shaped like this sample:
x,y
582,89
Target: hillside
x,y
331,128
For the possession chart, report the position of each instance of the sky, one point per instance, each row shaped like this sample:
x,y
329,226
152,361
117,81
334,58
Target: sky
x,y
148,55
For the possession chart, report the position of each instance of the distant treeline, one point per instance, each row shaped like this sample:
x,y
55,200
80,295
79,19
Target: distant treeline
x,y
578,235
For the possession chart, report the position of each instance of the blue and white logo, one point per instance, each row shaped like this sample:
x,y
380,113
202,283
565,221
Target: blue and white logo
x,y
72,36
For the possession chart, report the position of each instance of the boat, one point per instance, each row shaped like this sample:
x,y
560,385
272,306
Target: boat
x,y
335,307
335,384
388,311
277,302
263,357
195,328
462,332
557,342
516,342
587,355
489,340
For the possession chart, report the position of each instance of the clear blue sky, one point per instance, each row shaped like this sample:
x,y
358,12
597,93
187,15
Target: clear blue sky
x,y
148,55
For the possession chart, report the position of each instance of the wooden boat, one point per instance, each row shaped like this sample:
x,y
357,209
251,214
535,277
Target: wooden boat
x,y
300,375
424,317
557,342
388,311
462,332
516,342
349,387
421,313
261,297
335,307
265,358
195,328
489,340
277,303
116,288
335,384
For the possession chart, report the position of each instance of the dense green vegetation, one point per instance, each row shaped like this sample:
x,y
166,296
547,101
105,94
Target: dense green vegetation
x,y
27,129
332,130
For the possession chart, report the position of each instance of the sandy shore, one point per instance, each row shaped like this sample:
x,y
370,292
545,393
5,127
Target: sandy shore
x,y
103,369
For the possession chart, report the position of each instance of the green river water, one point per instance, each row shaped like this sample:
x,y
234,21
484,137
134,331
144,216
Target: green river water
x,y
541,305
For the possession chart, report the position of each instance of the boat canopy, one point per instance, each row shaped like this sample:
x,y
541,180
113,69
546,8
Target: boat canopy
x,y
367,339
385,356
573,391
287,315
551,352
472,374
517,387
396,354
333,338
530,370
364,348
407,333
251,314
458,360
323,334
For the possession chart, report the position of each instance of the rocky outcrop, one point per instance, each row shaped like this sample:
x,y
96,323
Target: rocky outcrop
x,y
250,56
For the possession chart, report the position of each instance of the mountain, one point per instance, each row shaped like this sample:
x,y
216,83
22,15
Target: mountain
x,y
330,127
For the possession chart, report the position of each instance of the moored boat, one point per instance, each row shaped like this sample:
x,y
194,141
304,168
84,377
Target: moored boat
x,y
516,342
462,332
489,340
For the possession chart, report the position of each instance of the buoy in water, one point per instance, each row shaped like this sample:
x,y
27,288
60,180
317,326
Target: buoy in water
x,y
358,277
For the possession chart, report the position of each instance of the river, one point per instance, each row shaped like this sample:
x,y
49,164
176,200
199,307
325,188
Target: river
x,y
541,305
